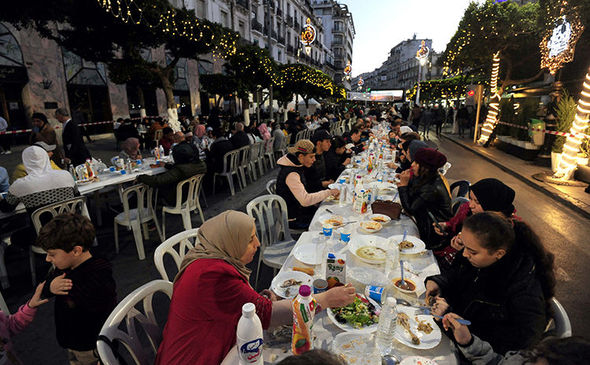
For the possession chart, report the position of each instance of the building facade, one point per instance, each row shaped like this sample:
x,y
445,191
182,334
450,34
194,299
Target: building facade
x,y
339,35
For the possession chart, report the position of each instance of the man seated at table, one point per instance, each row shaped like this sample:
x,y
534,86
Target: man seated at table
x,y
21,171
239,138
186,165
130,149
336,158
354,137
167,140
316,174
220,146
291,184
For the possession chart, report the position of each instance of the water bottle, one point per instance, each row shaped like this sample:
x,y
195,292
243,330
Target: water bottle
x,y
386,327
249,336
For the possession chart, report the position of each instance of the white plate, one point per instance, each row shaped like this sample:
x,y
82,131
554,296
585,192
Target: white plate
x,y
419,245
348,328
308,253
362,227
427,341
356,348
359,241
417,360
384,217
278,280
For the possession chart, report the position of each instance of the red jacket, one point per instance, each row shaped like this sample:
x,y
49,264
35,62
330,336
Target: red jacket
x,y
204,313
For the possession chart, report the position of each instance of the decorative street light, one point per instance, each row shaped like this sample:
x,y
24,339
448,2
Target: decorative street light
x,y
347,70
308,36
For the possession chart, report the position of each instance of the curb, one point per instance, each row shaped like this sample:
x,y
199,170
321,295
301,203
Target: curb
x,y
553,193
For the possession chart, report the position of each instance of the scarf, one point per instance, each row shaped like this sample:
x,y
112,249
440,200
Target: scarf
x,y
264,133
224,237
40,175
200,130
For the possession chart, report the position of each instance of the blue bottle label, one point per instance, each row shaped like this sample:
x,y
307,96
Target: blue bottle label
x,y
250,352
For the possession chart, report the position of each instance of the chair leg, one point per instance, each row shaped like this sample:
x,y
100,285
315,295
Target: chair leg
x,y
33,269
163,226
146,232
186,220
3,273
201,213
213,191
135,227
242,186
116,230
202,194
230,181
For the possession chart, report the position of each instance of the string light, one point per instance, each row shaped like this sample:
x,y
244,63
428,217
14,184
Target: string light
x,y
494,107
568,161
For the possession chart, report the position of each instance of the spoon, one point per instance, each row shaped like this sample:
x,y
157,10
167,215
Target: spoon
x,y
405,234
401,267
395,196
427,310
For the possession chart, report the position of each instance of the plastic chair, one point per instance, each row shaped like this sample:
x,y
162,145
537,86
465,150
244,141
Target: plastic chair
x,y
271,186
136,218
254,156
3,305
182,240
270,212
269,153
112,334
561,323
184,208
457,202
261,157
158,134
462,187
243,161
77,205
230,168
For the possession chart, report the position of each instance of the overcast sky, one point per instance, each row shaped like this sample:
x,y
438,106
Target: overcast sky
x,y
381,24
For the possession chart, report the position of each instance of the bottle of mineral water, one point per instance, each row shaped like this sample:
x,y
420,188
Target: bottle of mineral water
x,y
386,328
249,336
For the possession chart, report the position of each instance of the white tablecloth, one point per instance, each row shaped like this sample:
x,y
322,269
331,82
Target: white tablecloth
x,y
324,330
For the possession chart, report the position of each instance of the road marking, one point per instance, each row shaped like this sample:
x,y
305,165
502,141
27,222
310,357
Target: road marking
x,y
562,275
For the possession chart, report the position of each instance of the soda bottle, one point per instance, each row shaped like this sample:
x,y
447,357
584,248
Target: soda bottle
x,y
249,336
304,306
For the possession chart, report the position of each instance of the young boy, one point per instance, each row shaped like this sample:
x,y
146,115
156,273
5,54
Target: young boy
x,y
83,286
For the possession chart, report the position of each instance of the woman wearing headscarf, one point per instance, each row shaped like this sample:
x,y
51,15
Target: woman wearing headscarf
x,y
264,132
211,288
130,149
41,186
423,193
485,195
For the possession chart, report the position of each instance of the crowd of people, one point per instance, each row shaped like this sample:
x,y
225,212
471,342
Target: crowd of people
x,y
495,270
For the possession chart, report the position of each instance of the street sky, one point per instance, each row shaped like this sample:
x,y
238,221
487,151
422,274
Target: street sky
x,y
381,24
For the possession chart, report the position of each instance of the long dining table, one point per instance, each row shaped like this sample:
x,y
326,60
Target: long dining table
x,y
360,274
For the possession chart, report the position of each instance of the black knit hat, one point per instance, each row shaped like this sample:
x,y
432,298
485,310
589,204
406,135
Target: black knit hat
x,y
494,195
183,153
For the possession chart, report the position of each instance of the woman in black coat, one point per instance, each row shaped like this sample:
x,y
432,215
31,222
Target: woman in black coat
x,y
422,191
502,285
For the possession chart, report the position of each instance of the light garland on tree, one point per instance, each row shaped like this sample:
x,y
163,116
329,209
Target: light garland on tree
x,y
494,107
568,161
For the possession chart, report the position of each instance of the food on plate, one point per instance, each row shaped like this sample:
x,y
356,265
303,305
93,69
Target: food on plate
x,y
371,226
371,253
291,286
406,285
308,270
334,221
404,321
406,245
424,326
380,219
360,313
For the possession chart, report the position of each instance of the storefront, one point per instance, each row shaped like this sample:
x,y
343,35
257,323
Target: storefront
x,y
13,77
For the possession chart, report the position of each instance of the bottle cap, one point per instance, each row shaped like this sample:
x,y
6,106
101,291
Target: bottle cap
x,y
248,310
305,290
331,256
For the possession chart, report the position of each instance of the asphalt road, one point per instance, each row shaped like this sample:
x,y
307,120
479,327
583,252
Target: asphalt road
x,y
563,231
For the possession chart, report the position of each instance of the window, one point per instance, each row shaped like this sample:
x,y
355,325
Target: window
x,y
201,9
338,26
242,28
224,18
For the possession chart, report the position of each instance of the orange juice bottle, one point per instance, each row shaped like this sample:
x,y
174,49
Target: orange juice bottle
x,y
304,306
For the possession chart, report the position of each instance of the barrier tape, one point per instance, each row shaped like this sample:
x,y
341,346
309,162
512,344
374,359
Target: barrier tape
x,y
17,131
546,131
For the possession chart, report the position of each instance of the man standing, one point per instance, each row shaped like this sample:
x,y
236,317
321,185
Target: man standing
x,y
4,138
74,148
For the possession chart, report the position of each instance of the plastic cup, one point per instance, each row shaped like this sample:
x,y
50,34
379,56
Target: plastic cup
x,y
327,228
345,233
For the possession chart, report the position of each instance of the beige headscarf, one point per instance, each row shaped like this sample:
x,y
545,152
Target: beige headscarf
x,y
225,237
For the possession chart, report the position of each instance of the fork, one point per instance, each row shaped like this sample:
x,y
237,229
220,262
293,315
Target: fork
x,y
427,311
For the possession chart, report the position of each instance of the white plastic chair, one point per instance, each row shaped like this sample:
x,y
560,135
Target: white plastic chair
x,y
136,218
112,334
243,161
230,168
252,165
261,157
561,323
272,229
271,186
184,208
269,155
176,246
77,205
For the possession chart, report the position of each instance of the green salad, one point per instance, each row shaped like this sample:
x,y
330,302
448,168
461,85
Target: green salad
x,y
360,313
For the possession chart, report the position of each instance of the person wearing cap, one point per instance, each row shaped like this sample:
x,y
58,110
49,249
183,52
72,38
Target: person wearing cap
x,y
316,174
21,171
291,184
423,193
185,166
44,132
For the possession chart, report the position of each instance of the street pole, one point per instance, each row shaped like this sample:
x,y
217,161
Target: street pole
x,y
419,77
479,92
270,26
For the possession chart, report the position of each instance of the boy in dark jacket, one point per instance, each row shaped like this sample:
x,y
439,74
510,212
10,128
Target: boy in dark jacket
x,y
83,285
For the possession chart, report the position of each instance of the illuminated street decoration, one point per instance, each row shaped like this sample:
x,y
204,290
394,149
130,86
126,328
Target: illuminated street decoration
x,y
492,117
558,45
422,53
308,36
360,83
348,70
567,164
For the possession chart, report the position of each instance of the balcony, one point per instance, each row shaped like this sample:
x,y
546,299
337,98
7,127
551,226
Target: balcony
x,y
279,12
243,3
274,34
256,26
290,20
297,26
337,42
281,40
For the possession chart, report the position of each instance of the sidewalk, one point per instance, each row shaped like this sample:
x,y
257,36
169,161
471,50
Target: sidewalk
x,y
571,196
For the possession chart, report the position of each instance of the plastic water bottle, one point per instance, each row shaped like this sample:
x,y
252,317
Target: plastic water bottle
x,y
249,336
386,328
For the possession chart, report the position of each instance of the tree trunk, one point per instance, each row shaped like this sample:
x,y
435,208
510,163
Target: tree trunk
x,y
142,112
257,107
